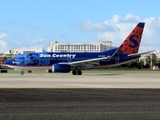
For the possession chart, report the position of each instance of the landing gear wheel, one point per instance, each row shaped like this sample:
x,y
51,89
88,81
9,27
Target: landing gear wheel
x,y
22,72
74,72
79,72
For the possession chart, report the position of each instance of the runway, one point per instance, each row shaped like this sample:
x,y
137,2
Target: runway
x,y
86,97
66,80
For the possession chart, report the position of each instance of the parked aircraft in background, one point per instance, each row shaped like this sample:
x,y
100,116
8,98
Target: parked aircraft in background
x,y
77,61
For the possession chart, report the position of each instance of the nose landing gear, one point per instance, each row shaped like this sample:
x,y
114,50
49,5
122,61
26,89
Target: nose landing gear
x,y
22,73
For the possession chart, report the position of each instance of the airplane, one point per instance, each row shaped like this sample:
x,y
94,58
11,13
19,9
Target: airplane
x,y
64,62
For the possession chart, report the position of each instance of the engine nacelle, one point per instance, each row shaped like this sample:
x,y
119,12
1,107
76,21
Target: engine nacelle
x,y
63,68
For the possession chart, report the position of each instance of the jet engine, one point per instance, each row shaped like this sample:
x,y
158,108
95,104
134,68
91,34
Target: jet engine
x,y
63,68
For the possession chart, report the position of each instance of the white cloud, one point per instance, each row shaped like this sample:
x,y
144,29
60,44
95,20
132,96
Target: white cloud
x,y
131,18
31,44
2,34
3,43
117,29
37,41
95,27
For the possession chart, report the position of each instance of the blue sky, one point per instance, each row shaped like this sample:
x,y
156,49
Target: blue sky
x,y
33,23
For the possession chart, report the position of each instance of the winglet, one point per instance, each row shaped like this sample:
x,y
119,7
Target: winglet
x,y
131,44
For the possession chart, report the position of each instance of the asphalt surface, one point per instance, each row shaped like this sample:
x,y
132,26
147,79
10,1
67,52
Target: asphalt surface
x,y
79,104
66,80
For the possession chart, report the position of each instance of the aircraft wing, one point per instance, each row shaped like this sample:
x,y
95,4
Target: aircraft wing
x,y
89,61
142,53
96,60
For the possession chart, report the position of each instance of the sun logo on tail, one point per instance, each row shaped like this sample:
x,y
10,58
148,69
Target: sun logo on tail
x,y
132,42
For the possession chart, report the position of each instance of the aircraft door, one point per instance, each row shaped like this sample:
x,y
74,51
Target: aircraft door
x,y
30,59
26,59
117,59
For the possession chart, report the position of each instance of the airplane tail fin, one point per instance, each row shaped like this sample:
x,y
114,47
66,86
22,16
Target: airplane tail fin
x,y
131,44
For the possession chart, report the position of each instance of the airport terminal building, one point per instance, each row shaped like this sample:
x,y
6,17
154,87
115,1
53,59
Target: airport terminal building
x,y
56,46
23,51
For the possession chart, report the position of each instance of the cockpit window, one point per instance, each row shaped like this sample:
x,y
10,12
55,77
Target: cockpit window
x,y
14,58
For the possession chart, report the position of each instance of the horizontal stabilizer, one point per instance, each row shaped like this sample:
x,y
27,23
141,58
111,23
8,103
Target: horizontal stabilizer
x,y
142,53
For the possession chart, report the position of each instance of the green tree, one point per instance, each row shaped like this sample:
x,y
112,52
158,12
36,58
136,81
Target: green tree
x,y
158,62
154,60
147,65
140,64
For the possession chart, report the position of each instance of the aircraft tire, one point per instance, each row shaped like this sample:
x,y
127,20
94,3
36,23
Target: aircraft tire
x,y
74,72
22,72
79,72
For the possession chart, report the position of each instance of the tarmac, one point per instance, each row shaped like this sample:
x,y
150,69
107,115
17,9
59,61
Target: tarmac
x,y
66,80
86,97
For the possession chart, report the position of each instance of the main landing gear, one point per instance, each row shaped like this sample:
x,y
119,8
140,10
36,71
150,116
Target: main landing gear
x,y
77,72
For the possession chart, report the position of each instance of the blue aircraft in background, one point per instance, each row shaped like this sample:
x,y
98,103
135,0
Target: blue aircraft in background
x,y
65,62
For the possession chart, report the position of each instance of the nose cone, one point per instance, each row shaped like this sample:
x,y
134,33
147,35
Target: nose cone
x,y
8,62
